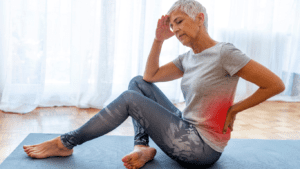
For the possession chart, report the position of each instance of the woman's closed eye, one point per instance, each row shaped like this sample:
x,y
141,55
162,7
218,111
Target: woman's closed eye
x,y
176,23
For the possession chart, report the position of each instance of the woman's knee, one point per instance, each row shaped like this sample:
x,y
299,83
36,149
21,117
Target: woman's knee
x,y
130,95
137,79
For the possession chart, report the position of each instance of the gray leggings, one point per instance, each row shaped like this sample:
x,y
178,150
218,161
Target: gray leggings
x,y
152,115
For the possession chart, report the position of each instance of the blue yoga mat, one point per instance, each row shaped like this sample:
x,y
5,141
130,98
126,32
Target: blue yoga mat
x,y
106,152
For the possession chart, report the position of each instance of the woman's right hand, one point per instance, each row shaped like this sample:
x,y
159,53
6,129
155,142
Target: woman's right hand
x,y
163,31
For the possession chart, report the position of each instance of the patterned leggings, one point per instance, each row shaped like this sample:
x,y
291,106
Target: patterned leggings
x,y
152,115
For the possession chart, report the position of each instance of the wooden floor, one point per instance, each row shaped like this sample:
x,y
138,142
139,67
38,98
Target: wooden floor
x,y
269,120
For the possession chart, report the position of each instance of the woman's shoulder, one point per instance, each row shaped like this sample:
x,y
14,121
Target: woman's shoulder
x,y
189,52
227,47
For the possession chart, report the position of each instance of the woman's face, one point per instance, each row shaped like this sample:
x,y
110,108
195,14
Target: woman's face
x,y
184,27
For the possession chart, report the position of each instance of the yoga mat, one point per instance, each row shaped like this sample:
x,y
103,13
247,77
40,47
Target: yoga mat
x,y
106,152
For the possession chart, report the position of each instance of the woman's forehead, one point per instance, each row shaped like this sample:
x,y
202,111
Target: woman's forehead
x,y
175,14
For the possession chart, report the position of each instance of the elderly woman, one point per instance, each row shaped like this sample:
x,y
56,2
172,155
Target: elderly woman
x,y
210,72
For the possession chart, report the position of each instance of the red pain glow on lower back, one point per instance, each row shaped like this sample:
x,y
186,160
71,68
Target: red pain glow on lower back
x,y
216,113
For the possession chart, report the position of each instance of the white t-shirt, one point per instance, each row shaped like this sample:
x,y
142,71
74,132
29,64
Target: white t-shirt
x,y
208,86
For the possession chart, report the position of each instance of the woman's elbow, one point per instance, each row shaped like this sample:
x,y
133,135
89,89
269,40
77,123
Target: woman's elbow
x,y
280,87
147,80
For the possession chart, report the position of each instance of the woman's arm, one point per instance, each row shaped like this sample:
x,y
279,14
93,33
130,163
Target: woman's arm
x,y
152,65
258,97
162,33
270,85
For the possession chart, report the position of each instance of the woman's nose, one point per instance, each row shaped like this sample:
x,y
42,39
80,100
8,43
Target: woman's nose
x,y
175,29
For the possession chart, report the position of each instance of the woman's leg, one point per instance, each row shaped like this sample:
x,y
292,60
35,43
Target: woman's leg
x,y
176,137
151,91
142,152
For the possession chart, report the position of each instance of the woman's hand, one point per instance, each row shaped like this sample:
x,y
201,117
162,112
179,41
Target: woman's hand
x,y
163,31
230,118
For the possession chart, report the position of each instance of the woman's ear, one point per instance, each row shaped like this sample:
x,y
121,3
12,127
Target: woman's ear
x,y
200,19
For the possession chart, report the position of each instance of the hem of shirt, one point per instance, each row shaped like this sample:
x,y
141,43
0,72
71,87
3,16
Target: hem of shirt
x,y
177,66
240,66
216,148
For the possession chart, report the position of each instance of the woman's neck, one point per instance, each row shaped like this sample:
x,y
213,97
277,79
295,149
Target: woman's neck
x,y
203,42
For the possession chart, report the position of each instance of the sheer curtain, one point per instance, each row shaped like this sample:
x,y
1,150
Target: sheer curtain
x,y
84,53
268,31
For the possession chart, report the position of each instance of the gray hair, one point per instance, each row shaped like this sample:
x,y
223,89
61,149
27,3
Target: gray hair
x,y
192,8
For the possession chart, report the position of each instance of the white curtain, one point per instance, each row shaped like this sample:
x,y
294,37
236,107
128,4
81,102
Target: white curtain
x,y
268,31
84,52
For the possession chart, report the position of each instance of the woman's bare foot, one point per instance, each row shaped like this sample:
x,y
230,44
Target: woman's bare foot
x,y
139,157
49,148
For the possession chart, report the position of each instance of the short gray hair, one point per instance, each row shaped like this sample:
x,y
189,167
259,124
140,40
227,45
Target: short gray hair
x,y
192,8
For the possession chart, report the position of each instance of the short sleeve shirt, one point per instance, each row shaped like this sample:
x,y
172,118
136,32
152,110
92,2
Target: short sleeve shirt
x,y
208,86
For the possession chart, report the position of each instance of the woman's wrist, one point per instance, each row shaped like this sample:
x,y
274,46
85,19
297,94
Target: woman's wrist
x,y
160,41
